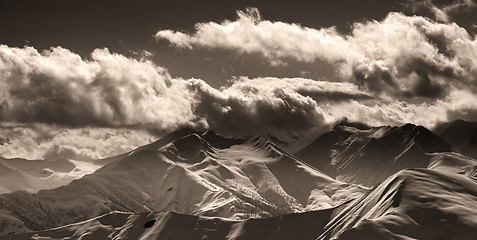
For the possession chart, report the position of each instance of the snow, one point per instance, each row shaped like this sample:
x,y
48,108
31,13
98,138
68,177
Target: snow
x,y
35,175
411,204
188,175
355,154
194,185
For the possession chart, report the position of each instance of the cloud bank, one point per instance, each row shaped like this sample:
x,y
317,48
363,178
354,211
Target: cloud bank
x,y
40,141
58,90
54,104
58,87
400,56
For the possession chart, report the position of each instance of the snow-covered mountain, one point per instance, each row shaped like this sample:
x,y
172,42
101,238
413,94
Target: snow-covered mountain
x,y
199,185
185,173
411,204
172,225
357,153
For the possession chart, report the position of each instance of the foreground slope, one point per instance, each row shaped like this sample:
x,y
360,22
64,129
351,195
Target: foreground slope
x,y
171,225
412,204
185,173
356,153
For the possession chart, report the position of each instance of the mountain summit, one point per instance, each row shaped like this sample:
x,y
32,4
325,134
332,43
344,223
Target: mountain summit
x,y
354,152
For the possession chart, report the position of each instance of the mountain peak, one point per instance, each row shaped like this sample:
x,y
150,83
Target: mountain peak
x,y
415,134
190,148
369,156
219,141
348,123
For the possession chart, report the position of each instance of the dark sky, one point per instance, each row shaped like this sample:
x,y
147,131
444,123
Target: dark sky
x,y
126,26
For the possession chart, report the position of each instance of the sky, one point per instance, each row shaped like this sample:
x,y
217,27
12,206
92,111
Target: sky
x,y
90,79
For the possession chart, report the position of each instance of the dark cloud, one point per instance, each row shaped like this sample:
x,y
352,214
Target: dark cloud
x,y
467,114
249,109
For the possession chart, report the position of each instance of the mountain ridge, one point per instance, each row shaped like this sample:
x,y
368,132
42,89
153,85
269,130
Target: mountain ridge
x,y
356,153
252,179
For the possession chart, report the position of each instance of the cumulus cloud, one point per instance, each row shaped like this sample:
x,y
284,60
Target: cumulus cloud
x,y
110,90
114,103
248,108
250,34
58,89
400,56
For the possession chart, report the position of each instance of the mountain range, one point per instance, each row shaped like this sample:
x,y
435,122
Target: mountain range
x,y
352,182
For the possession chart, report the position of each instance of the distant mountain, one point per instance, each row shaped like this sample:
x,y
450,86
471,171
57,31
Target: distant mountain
x,y
357,153
461,135
199,185
412,204
187,172
35,175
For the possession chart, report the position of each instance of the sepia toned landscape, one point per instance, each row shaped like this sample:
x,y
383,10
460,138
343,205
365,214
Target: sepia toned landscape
x,y
248,120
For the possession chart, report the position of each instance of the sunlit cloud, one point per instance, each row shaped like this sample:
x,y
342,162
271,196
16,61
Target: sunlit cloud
x,y
400,56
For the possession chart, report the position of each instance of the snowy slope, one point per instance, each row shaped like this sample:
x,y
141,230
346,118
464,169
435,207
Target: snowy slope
x,y
171,225
411,204
454,162
35,175
356,153
186,174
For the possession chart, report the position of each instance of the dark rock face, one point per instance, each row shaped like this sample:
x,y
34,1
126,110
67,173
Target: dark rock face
x,y
220,142
149,224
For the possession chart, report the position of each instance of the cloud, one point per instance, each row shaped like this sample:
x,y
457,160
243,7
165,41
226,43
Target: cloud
x,y
257,107
56,89
317,90
110,90
250,34
461,105
56,105
401,56
439,10
387,113
41,141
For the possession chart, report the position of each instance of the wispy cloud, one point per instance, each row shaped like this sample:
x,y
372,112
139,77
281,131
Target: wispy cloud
x,y
439,10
